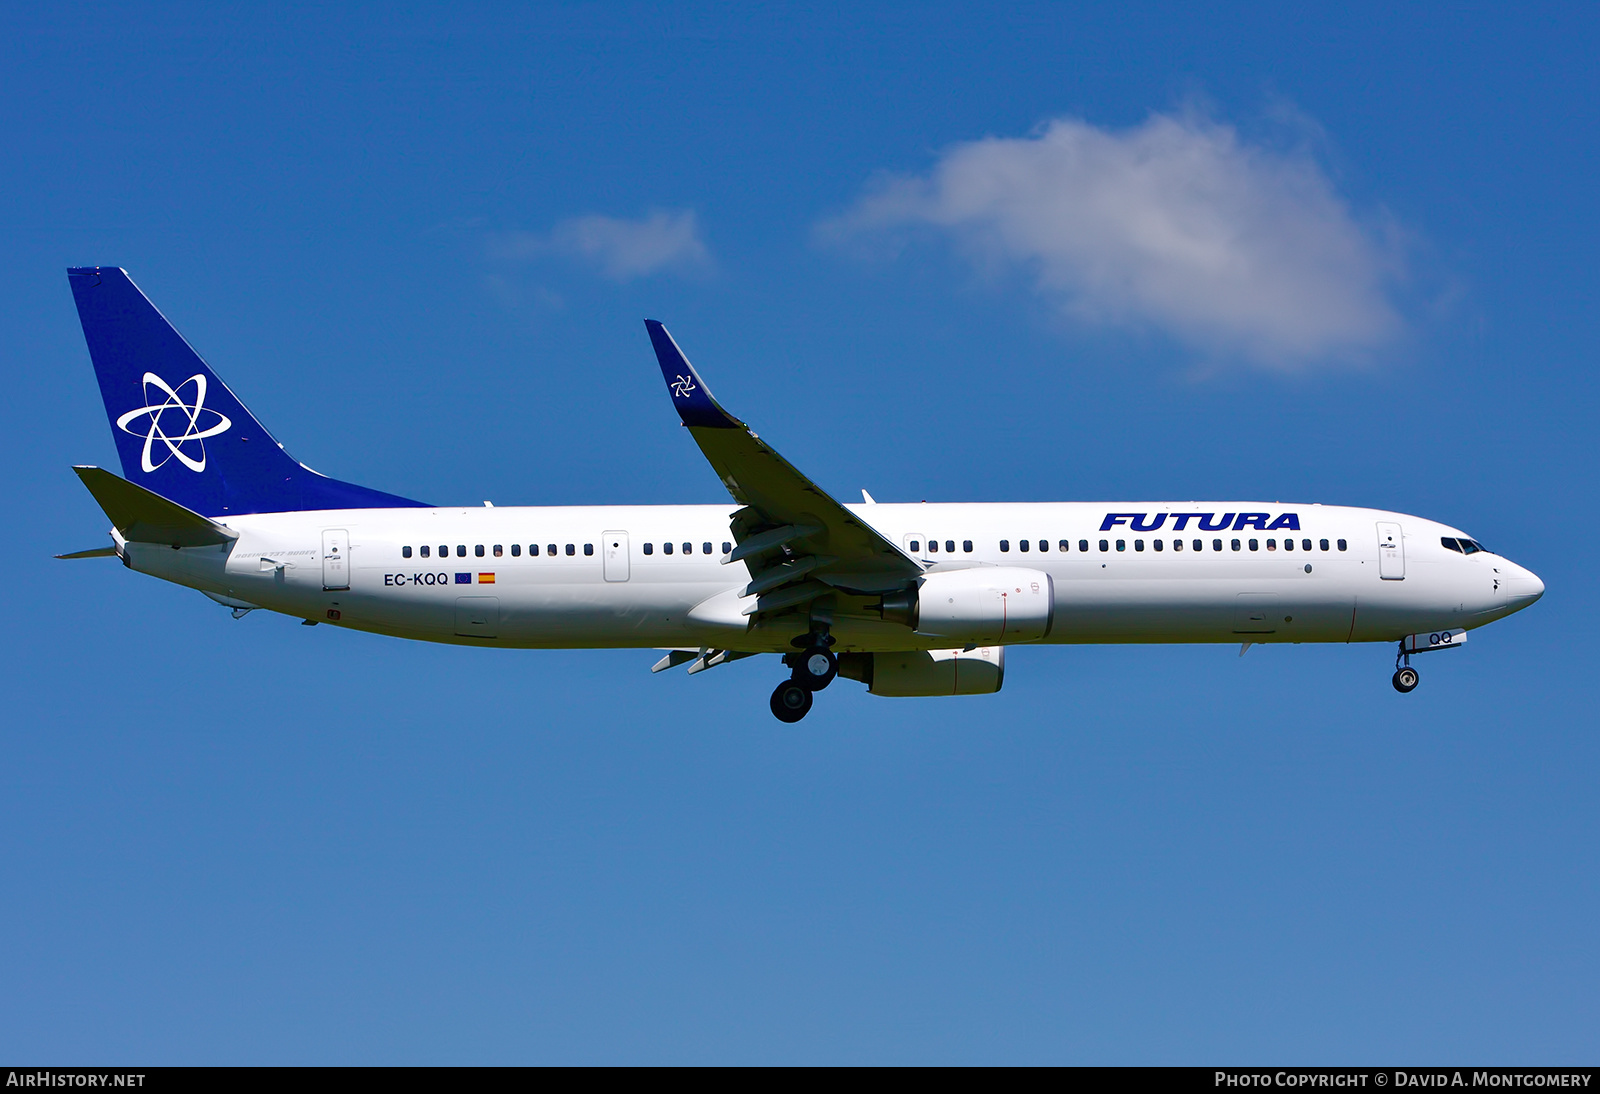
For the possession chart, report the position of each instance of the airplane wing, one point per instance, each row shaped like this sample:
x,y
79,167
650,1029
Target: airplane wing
x,y
798,542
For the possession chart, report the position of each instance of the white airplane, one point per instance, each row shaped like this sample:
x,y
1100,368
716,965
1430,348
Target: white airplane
x,y
908,599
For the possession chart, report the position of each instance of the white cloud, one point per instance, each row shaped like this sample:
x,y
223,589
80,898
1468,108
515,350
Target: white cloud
x,y
1177,223
620,249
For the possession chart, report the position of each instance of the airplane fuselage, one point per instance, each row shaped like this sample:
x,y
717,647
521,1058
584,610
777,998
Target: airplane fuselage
x,y
654,576
910,600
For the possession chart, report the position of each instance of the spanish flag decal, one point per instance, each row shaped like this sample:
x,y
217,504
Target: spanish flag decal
x,y
485,579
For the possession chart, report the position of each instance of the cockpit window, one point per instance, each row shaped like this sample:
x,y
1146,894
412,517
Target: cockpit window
x,y
1472,546
1451,544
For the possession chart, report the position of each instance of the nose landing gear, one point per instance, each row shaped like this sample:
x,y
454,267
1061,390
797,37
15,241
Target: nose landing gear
x,y
1405,677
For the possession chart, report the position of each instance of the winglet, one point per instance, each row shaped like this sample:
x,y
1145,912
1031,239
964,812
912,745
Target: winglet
x,y
694,401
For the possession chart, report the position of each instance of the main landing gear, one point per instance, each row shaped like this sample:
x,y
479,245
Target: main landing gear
x,y
1405,678
811,669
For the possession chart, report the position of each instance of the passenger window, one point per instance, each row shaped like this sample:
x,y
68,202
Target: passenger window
x,y
461,550
1157,545
1216,544
478,550
1324,545
966,545
1177,545
516,550
424,550
649,548
588,548
1138,545
1083,545
1305,545
1005,545
1023,545
1343,546
666,548
1255,545
933,546
405,552
1272,545
1122,545
1452,544
1235,545
550,550
1288,544
688,548
1044,545
498,550
705,548
1064,546
571,550
1105,545
727,548
916,546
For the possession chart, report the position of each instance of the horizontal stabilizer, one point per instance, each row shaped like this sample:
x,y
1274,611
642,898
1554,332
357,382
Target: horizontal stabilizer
x,y
93,552
145,517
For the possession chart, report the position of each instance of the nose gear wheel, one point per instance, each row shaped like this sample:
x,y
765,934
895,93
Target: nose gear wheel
x,y
1405,677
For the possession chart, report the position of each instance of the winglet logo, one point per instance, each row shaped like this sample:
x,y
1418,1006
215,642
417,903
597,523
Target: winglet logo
x,y
176,412
681,387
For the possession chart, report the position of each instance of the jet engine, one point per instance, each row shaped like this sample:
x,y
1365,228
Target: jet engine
x,y
986,604
928,672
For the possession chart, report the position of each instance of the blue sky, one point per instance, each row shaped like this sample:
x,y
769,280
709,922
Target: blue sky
x,y
938,252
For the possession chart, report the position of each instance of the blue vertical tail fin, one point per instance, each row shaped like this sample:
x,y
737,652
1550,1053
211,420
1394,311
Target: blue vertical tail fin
x,y
179,431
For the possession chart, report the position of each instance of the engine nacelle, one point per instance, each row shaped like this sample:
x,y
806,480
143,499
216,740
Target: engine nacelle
x,y
928,672
985,604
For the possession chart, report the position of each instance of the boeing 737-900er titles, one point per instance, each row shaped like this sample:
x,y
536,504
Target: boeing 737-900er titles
x,y
908,599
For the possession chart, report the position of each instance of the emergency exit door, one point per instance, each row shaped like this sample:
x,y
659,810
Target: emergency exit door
x,y
1391,552
335,558
614,546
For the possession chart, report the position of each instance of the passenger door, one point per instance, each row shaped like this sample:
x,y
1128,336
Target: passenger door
x,y
1391,552
335,558
614,546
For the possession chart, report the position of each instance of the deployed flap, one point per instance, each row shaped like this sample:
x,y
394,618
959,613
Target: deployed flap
x,y
791,516
145,517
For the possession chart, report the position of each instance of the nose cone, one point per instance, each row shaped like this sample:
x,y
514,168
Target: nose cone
x,y
1523,587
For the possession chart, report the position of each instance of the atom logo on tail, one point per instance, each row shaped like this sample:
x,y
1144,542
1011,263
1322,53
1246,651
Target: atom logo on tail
x,y
186,415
